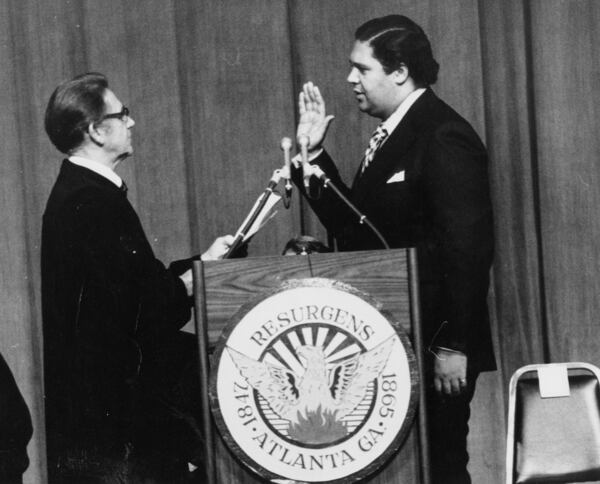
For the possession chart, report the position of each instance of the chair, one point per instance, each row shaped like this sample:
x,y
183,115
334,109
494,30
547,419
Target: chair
x,y
553,437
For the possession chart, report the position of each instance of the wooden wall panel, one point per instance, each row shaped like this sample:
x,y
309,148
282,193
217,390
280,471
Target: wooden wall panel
x,y
566,68
237,104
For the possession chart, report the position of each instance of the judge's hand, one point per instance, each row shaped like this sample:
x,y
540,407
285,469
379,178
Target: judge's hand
x,y
219,248
313,121
188,280
449,371
216,251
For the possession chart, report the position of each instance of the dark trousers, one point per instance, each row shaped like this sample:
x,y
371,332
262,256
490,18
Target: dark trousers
x,y
11,479
168,423
448,426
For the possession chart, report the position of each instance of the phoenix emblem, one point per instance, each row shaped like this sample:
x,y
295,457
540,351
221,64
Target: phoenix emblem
x,y
315,401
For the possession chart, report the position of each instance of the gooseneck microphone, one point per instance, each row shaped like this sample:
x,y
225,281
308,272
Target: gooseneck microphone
x,y
303,141
307,169
362,218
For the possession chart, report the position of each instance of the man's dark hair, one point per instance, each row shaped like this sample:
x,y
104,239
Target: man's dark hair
x,y
73,106
396,40
305,244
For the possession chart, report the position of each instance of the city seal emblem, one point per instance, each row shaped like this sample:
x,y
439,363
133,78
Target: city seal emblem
x,y
313,382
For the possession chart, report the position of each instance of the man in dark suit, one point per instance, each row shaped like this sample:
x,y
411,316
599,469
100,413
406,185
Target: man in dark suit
x,y
423,182
121,388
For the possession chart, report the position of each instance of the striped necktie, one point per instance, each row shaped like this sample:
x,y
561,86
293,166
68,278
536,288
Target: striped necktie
x,y
375,142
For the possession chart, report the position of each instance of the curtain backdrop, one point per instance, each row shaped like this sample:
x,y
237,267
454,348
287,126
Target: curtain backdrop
x,y
212,86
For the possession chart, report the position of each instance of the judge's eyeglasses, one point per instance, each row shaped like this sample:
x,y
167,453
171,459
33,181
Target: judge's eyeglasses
x,y
123,115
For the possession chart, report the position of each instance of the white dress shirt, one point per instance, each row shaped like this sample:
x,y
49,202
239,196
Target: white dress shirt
x,y
391,123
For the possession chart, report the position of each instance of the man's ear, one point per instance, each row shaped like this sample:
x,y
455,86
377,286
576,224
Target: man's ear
x,y
401,74
95,134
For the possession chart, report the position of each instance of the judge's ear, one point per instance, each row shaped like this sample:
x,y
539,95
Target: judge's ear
x,y
95,134
401,74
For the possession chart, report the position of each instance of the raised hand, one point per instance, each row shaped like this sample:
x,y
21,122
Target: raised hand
x,y
313,121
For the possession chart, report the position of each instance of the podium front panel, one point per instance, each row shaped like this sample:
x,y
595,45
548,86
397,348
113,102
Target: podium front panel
x,y
230,284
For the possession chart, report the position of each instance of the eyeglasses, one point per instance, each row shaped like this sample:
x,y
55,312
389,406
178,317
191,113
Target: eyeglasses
x,y
122,115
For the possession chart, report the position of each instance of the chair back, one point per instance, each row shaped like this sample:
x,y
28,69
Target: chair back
x,y
554,424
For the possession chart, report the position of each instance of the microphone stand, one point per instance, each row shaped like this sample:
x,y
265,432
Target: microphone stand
x,y
362,218
304,141
286,146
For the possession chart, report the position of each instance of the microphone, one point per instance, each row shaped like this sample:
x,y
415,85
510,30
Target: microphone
x,y
303,141
274,181
308,170
319,174
286,146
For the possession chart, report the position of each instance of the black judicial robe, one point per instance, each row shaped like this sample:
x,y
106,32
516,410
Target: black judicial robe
x,y
108,303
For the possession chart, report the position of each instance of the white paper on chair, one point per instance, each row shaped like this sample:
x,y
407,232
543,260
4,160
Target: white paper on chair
x,y
554,381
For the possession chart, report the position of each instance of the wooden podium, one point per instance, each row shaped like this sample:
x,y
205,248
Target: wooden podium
x,y
222,287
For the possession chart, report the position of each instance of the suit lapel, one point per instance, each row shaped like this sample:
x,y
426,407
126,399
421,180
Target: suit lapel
x,y
388,159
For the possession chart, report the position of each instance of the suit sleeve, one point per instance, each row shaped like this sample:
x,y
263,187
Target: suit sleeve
x,y
457,192
331,211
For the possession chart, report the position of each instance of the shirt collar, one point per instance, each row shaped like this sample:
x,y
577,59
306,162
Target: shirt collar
x,y
393,121
98,168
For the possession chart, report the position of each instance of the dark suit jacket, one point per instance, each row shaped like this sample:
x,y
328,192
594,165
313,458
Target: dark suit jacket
x,y
15,428
442,207
107,304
